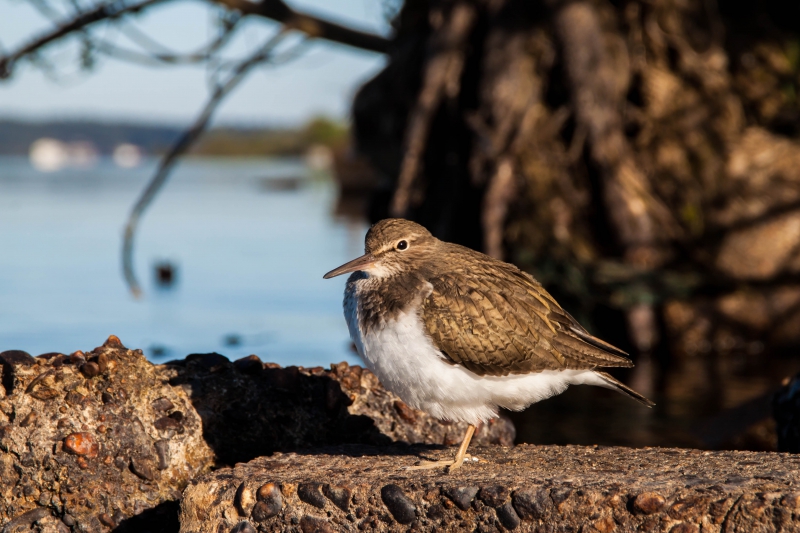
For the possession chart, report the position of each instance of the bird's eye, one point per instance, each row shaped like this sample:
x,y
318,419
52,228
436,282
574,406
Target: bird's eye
x,y
402,245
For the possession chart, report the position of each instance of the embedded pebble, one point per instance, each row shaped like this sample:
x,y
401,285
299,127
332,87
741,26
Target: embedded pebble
x,y
162,451
113,342
102,362
17,357
81,444
167,422
162,404
312,524
648,503
142,468
405,412
340,496
107,520
494,496
310,493
249,365
532,505
90,369
461,496
29,419
400,505
243,527
508,516
244,500
270,502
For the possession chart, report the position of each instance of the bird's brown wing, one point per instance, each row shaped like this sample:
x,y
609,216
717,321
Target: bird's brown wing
x,y
494,319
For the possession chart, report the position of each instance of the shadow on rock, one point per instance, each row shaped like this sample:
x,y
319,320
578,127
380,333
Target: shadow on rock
x,y
162,518
250,409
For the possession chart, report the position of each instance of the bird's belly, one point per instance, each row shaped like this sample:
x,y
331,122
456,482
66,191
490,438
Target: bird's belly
x,y
407,363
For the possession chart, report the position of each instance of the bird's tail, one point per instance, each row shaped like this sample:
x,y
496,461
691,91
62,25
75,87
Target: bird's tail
x,y
612,383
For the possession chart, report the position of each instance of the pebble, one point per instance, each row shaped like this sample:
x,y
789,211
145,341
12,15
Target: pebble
x,y
102,362
243,527
107,520
494,496
405,412
648,503
165,422
508,516
244,500
310,493
312,524
81,444
162,451
77,358
249,365
17,357
532,505
461,496
162,404
270,502
90,369
29,419
401,507
143,469
113,342
340,496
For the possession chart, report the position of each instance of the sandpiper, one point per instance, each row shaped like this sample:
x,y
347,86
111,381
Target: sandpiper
x,y
458,334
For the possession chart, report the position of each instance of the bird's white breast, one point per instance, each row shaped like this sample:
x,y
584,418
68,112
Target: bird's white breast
x,y
402,355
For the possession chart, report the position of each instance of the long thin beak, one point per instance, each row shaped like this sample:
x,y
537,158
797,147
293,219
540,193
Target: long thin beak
x,y
359,263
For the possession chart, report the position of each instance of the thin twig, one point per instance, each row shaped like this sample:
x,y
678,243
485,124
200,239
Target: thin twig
x,y
184,143
111,10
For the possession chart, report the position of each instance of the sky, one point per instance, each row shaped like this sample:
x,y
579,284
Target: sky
x,y
321,81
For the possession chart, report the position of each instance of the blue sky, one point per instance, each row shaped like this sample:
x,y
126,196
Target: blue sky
x,y
322,80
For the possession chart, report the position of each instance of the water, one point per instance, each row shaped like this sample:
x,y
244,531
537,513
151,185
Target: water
x,y
250,251
249,258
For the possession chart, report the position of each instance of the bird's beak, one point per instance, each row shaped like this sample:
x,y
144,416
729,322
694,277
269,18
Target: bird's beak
x,y
359,263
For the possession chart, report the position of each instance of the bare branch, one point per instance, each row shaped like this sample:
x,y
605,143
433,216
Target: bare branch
x,y
184,143
277,10
312,26
106,11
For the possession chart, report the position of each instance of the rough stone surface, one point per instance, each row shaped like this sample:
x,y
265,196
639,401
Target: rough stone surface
x,y
526,488
79,442
106,440
250,409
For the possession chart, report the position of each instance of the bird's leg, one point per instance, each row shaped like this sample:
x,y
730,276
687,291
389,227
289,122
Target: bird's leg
x,y
453,464
462,450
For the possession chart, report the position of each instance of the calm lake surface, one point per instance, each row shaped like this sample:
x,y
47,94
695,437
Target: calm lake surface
x,y
250,240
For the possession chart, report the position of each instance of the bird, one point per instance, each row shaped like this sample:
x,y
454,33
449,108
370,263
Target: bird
x,y
459,334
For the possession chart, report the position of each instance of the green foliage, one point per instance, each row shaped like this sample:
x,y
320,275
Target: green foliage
x,y
273,142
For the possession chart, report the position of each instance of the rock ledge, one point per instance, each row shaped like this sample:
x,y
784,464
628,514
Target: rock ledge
x,y
526,488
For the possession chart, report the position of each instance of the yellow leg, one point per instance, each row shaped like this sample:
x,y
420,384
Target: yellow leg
x,y
462,450
455,463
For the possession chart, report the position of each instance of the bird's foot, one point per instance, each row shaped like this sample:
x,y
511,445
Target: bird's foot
x,y
451,464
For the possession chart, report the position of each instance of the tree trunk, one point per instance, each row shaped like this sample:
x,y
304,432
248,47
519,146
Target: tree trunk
x,y
640,158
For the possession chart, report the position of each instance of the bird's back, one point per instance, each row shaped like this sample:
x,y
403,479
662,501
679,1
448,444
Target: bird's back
x,y
494,319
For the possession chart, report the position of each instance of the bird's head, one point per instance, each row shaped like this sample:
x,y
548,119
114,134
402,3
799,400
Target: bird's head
x,y
393,245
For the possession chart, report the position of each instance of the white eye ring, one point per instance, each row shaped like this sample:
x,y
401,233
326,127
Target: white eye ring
x,y
402,245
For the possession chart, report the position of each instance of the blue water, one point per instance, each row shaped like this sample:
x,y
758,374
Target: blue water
x,y
249,260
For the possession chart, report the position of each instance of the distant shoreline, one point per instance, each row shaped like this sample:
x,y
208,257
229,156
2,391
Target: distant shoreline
x,y
18,136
